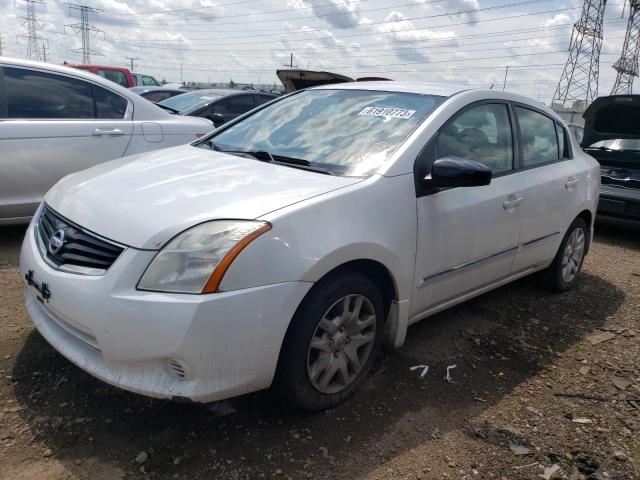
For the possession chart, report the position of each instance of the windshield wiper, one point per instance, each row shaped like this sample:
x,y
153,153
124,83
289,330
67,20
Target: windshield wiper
x,y
172,110
264,156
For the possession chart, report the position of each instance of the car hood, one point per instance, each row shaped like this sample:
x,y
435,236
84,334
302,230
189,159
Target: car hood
x,y
612,117
296,79
144,200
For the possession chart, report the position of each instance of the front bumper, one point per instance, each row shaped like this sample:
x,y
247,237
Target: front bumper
x,y
619,202
197,347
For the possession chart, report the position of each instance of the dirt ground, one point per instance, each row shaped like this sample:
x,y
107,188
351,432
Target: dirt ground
x,y
545,386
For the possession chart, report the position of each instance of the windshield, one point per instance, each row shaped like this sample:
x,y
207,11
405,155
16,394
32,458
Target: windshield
x,y
621,144
347,132
188,102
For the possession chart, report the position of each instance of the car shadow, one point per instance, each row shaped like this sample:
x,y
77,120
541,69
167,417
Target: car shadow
x,y
616,232
496,342
10,242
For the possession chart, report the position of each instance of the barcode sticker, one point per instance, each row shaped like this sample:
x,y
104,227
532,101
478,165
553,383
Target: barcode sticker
x,y
387,112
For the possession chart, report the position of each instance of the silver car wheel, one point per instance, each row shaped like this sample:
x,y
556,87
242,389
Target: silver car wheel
x,y
573,254
341,344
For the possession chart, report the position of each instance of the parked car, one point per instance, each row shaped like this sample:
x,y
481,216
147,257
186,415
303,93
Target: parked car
x,y
217,104
145,80
284,247
119,75
56,120
157,94
612,136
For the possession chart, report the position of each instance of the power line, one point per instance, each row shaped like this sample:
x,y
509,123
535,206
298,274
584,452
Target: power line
x,y
387,22
85,29
354,35
30,20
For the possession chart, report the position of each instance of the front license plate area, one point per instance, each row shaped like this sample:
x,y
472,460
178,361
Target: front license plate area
x,y
41,288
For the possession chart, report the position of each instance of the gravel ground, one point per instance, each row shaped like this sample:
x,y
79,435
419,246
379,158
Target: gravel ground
x,y
545,386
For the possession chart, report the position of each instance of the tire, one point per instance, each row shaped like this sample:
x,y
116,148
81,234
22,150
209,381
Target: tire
x,y
331,352
555,276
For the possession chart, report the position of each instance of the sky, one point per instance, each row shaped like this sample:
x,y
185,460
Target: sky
x,y
468,42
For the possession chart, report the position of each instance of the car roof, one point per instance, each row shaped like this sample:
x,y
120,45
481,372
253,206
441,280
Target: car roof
x,y
144,109
423,88
91,65
143,89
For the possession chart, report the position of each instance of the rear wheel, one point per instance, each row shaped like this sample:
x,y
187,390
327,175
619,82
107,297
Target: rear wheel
x,y
566,265
332,342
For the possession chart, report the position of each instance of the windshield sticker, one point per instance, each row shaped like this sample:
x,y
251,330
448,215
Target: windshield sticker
x,y
387,112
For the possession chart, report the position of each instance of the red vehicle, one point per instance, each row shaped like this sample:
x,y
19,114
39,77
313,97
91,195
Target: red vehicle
x,y
119,75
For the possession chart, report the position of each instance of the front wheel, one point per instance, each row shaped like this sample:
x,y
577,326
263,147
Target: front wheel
x,y
564,270
332,342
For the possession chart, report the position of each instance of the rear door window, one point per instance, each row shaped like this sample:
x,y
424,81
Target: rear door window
x,y
538,137
33,94
261,99
234,106
109,104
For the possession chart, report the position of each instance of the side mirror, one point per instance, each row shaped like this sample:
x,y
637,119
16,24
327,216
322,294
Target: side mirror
x,y
458,172
216,118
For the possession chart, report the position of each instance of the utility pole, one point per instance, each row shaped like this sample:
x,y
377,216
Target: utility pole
x,y
627,65
0,45
579,80
180,73
132,59
291,65
45,47
506,72
32,24
85,29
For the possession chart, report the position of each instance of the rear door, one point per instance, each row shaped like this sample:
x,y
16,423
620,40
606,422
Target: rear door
x,y
52,125
554,185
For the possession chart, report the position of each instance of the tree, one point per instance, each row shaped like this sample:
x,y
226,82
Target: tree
x,y
232,84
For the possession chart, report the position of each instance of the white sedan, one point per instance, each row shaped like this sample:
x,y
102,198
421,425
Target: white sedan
x,y
285,247
56,120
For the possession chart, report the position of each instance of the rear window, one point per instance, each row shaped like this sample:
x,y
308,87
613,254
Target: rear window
x,y
188,102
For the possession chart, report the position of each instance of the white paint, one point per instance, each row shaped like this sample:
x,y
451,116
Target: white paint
x,y
231,340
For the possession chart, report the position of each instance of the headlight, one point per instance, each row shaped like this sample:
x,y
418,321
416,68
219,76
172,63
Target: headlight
x,y
196,260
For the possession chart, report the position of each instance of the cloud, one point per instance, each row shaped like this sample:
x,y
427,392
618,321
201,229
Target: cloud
x,y
450,7
336,13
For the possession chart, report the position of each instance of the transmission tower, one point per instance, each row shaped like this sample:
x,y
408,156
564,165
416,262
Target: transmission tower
x,y
627,65
30,20
579,79
85,29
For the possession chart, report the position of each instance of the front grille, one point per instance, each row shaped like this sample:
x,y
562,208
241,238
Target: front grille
x,y
73,248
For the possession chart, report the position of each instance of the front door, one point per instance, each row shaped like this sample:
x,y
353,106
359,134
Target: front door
x,y
468,237
52,125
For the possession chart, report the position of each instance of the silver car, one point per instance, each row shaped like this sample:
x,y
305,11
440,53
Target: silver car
x,y
56,120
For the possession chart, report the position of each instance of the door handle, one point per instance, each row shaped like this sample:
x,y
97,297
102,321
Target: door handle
x,y
512,202
111,132
571,182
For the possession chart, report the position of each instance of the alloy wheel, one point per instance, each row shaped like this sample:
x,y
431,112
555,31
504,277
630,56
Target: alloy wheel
x,y
341,344
573,254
